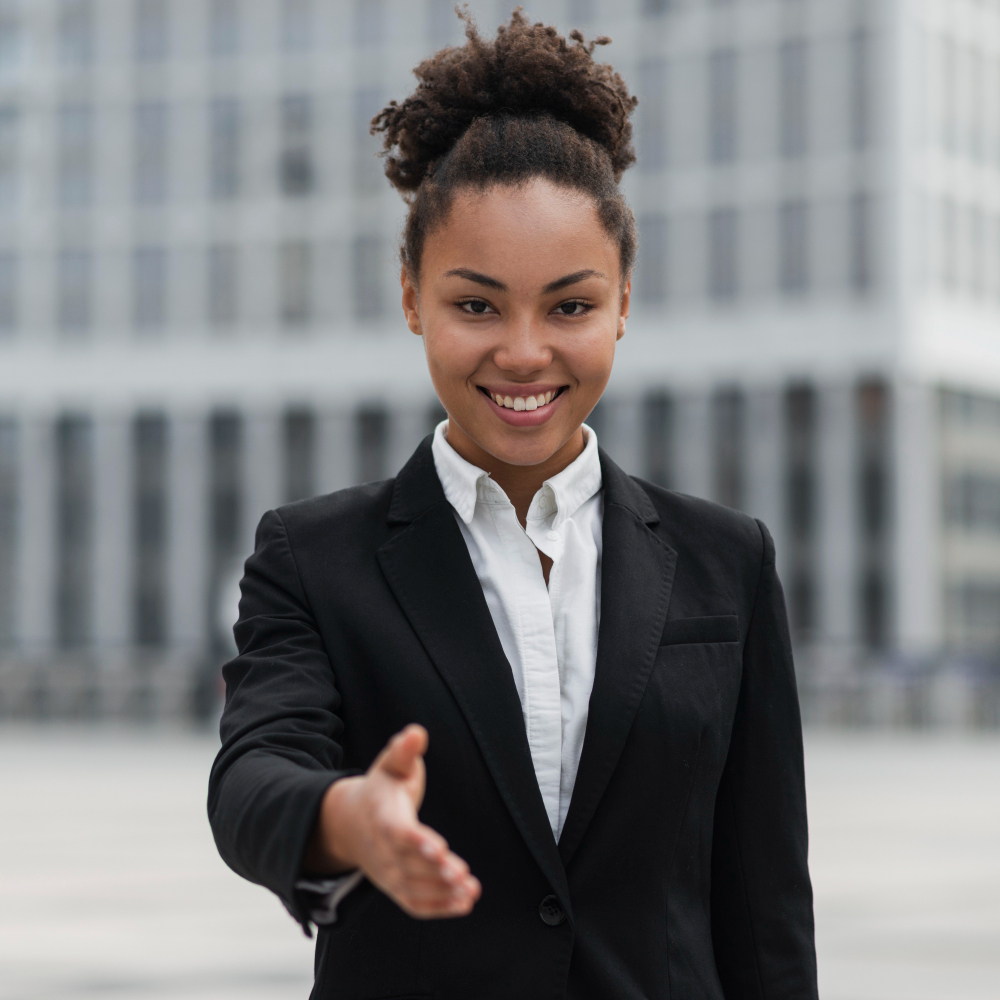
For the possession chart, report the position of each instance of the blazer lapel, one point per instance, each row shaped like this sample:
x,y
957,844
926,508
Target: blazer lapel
x,y
427,565
637,572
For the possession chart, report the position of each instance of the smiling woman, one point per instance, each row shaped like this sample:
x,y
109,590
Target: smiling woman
x,y
513,685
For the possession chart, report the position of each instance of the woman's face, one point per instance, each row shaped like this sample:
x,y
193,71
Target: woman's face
x,y
520,305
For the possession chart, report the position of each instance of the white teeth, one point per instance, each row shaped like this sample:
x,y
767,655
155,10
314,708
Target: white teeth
x,y
508,402
531,403
519,403
524,402
548,396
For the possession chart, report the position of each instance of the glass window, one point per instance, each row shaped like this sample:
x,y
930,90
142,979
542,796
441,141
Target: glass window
x,y
652,132
151,30
800,505
225,476
149,550
295,266
296,25
794,98
149,287
722,105
73,295
723,253
372,423
860,85
76,32
977,105
151,152
10,133
728,423
367,277
794,247
74,530
10,33
658,414
862,262
224,27
652,264
977,251
223,285
949,94
8,291
8,528
226,141
75,153
367,167
297,175
300,454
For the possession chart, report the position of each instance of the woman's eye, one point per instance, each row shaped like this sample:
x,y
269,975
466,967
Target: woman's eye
x,y
475,306
572,308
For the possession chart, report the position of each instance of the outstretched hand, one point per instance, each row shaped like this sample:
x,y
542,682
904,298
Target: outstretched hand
x,y
370,822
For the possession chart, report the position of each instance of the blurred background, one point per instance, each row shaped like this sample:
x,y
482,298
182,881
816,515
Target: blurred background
x,y
199,320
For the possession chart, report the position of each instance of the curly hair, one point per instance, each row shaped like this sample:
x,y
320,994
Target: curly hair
x,y
527,104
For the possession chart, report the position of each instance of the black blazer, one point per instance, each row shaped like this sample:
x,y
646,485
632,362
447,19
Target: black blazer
x,y
681,871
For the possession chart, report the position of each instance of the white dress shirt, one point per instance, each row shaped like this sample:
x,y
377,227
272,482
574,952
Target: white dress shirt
x,y
549,634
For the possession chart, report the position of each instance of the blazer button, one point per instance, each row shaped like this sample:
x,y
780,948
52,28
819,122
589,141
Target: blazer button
x,y
551,912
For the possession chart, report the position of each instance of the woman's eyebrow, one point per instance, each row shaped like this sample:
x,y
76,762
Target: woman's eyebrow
x,y
479,279
570,279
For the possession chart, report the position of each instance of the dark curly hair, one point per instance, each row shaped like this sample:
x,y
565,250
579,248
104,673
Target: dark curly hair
x,y
527,104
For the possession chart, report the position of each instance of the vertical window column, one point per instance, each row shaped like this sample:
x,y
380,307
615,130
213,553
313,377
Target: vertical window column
x,y
226,130
73,293
367,284
224,27
652,132
151,152
300,454
76,32
728,440
296,166
149,288
372,430
9,287
151,30
74,530
723,105
75,155
226,505
223,285
794,83
149,548
10,156
653,264
658,421
723,254
801,440
296,281
9,503
793,253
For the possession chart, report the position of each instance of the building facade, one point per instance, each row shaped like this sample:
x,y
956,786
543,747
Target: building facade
x,y
199,317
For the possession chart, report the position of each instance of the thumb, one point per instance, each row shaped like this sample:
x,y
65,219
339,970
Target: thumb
x,y
402,752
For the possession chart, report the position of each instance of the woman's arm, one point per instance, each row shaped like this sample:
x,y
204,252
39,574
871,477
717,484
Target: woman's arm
x,y
762,914
278,789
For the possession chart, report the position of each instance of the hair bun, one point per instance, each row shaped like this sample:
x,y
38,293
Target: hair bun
x,y
529,69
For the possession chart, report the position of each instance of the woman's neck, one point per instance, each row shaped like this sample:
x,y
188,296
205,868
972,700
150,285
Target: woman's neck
x,y
519,482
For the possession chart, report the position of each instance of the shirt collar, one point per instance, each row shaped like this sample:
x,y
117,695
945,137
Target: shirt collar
x,y
465,484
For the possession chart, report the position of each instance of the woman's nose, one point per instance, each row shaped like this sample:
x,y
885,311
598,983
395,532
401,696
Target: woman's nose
x,y
523,348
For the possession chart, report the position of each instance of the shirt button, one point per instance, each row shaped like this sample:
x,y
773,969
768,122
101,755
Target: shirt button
x,y
551,912
553,536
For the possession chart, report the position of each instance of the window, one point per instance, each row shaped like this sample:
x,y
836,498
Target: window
x,y
10,122
223,285
372,423
949,243
658,418
973,501
651,266
225,472
794,247
977,251
977,105
722,98
367,168
151,152
74,530
149,288
8,528
8,291
652,115
296,137
149,550
76,32
443,27
75,154
296,25
369,21
800,504
224,27
226,135
728,408
10,33
872,407
151,30
367,277
73,296
794,98
296,283
582,11
949,94
300,454
861,263
723,254
860,85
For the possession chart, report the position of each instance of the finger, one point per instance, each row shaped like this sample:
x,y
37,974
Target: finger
x,y
400,755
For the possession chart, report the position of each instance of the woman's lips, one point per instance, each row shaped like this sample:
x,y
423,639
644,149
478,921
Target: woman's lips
x,y
527,410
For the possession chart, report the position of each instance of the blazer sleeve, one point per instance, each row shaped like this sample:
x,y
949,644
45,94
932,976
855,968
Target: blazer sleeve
x,y
280,727
762,912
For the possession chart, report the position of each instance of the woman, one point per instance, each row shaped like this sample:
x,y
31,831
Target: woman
x,y
513,686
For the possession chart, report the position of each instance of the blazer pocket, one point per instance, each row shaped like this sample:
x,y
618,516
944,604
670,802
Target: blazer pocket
x,y
715,628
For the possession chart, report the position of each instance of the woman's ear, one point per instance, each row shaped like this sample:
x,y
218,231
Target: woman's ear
x,y
411,302
623,312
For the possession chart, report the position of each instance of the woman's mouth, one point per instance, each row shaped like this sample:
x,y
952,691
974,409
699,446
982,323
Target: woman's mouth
x,y
527,409
522,402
